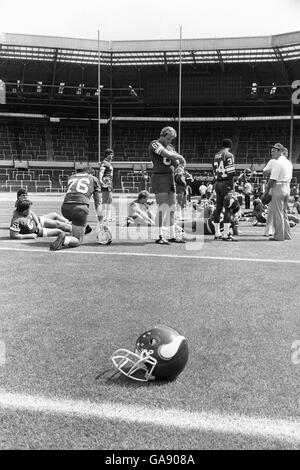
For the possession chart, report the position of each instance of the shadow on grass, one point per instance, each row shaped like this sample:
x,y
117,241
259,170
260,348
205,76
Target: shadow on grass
x,y
112,376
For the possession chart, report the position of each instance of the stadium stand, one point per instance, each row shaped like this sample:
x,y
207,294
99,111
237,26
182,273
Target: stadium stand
x,y
238,88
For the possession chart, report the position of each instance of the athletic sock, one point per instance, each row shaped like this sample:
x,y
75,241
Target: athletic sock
x,y
67,241
217,229
226,230
172,231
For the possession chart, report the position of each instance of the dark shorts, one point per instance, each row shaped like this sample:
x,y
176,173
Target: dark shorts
x,y
222,188
106,197
76,213
163,183
181,199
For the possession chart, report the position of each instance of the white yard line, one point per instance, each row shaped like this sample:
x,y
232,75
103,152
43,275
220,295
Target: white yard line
x,y
278,429
153,255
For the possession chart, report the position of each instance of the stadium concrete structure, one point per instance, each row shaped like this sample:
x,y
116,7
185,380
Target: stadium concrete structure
x,y
230,87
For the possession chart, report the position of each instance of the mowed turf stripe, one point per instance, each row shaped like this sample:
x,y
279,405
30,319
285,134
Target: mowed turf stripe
x,y
280,429
153,255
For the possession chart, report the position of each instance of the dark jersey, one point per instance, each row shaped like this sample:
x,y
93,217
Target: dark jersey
x,y
242,179
106,174
160,164
81,187
223,166
23,225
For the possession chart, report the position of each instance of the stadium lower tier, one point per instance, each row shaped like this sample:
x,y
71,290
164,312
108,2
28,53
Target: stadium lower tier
x,y
128,177
39,140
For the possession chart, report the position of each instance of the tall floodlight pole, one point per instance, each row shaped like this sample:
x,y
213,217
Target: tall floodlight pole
x,y
291,131
179,91
99,106
111,100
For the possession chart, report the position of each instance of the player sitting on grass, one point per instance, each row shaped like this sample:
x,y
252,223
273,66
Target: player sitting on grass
x,y
259,212
25,224
139,212
296,206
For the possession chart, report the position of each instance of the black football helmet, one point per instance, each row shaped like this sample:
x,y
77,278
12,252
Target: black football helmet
x,y
160,353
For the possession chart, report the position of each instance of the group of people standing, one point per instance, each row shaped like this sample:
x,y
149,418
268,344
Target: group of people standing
x,y
169,174
276,191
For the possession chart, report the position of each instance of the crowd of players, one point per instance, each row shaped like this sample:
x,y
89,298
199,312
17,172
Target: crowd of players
x,y
219,205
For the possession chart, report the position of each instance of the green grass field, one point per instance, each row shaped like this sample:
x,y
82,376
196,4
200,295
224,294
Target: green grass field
x,y
64,313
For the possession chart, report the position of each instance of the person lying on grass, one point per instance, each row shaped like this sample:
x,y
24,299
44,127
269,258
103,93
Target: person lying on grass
x,y
25,224
51,220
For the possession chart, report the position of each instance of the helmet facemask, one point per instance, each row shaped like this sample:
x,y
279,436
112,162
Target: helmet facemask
x,y
136,365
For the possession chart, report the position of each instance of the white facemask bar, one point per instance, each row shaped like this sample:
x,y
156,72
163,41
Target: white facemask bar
x,y
129,363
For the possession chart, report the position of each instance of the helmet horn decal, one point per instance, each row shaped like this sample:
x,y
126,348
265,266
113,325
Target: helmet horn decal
x,y
167,351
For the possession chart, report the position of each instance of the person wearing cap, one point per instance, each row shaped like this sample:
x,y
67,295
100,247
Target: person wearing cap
x,y
224,171
279,183
139,212
164,158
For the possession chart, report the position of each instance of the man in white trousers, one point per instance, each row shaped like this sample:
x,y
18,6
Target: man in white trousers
x,y
279,183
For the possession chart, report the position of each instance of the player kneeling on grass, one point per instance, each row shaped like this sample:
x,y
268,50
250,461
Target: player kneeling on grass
x,y
139,212
80,188
207,211
25,224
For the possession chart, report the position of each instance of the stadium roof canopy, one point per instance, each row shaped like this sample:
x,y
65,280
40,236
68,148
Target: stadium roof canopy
x,y
277,48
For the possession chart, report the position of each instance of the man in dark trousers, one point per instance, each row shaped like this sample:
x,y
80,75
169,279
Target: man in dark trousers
x,y
224,171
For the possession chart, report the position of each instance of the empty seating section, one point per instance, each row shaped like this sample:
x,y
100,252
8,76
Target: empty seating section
x,y
199,143
39,180
131,182
255,141
40,140
77,142
22,140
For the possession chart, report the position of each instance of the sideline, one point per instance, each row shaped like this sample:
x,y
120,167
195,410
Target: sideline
x,y
279,429
155,255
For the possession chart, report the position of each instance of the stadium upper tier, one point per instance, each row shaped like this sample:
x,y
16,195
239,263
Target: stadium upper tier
x,y
277,48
